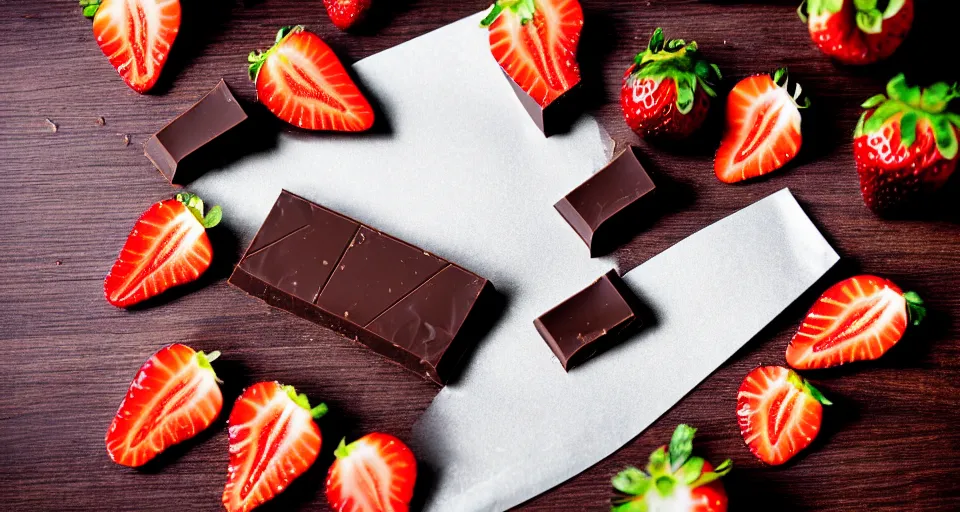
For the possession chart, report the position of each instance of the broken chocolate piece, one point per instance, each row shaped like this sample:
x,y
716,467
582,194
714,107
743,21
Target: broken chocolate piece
x,y
399,300
581,326
212,116
552,119
608,193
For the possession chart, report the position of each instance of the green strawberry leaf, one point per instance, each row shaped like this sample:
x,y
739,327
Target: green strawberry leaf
x,y
686,84
658,461
213,217
908,129
881,115
945,136
681,445
492,15
870,22
865,5
656,41
665,485
632,481
816,394
915,308
936,97
893,7
675,44
898,89
874,101
690,470
630,506
858,131
714,475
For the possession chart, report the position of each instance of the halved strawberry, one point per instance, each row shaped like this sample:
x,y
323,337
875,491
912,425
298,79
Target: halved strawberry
x,y
857,319
674,480
273,440
535,43
303,83
135,35
375,473
167,247
762,129
779,413
906,144
667,90
174,397
345,13
858,31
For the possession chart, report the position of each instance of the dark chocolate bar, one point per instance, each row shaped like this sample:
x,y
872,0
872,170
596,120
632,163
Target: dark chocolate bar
x,y
215,113
582,325
612,190
555,116
399,300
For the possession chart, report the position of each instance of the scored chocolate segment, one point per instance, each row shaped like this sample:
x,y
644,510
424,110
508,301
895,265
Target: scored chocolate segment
x,y
212,116
375,272
580,326
605,195
398,300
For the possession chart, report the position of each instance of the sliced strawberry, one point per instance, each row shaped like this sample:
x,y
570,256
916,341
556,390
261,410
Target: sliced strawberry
x,y
303,83
135,35
674,480
857,319
762,129
858,31
273,440
174,397
779,413
535,43
345,13
167,247
375,473
906,144
667,90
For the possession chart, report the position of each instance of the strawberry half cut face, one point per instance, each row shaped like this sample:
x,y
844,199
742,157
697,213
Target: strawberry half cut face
x,y
762,130
375,473
273,440
535,42
674,480
779,413
174,397
857,319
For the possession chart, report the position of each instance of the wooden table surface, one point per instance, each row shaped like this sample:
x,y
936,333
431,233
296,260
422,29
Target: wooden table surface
x,y
891,442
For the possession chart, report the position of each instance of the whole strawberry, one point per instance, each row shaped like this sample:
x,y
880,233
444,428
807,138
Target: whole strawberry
x,y
345,13
858,31
667,90
905,144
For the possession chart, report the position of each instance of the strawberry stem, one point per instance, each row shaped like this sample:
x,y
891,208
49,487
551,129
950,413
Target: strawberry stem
x,y
319,411
343,449
523,8
204,360
916,311
256,58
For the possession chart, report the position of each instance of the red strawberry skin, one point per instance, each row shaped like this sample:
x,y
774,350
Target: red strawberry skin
x,y
373,474
174,397
838,35
905,145
857,319
537,50
136,36
762,132
650,108
273,440
167,247
345,13
301,81
779,413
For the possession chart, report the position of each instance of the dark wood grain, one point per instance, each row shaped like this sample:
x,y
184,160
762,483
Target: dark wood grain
x,y
891,442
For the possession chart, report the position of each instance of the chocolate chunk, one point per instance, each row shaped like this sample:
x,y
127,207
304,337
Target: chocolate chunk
x,y
592,207
582,325
397,299
215,113
553,118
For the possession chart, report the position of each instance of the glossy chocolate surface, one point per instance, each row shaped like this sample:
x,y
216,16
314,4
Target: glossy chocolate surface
x,y
556,116
605,195
576,328
215,113
397,299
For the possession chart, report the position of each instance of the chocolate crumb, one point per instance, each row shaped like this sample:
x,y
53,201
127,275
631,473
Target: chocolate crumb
x,y
101,121
126,140
51,124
